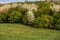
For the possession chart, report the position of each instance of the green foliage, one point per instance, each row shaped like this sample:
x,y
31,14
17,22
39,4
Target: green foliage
x,y
56,15
57,25
43,9
3,17
44,21
15,17
56,20
25,21
44,17
15,14
43,4
23,10
17,8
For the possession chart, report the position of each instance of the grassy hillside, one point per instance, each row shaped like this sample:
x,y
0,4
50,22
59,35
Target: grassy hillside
x,y
22,32
39,17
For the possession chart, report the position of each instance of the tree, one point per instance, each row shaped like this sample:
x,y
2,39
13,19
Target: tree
x,y
29,17
15,17
44,21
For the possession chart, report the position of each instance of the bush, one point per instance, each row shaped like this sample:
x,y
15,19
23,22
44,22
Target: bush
x,y
43,9
3,17
23,10
17,8
15,14
56,20
57,25
44,21
56,15
15,17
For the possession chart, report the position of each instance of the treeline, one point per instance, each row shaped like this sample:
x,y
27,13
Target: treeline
x,y
44,17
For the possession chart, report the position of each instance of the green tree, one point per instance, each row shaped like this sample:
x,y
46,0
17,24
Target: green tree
x,y
57,24
3,17
44,21
15,17
56,20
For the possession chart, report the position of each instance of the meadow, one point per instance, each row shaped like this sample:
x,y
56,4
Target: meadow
x,y
23,32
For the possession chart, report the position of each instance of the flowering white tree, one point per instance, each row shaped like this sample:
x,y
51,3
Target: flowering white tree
x,y
29,17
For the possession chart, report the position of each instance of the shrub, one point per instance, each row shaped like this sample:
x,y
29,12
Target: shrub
x,y
15,14
56,20
43,9
56,15
23,11
44,21
3,17
15,17
57,24
17,8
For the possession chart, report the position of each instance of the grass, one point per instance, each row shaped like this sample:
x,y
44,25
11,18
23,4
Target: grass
x,y
22,32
